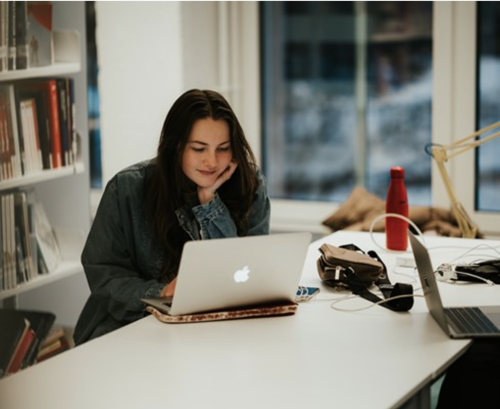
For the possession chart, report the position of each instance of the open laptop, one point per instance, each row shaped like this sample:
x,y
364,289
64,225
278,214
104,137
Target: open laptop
x,y
457,322
220,274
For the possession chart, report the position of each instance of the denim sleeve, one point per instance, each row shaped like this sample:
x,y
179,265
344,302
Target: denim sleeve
x,y
215,220
110,263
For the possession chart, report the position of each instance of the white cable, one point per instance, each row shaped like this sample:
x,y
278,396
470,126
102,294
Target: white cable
x,y
476,248
456,280
332,305
398,216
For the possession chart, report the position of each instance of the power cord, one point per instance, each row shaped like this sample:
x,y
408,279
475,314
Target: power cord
x,y
348,297
447,273
398,216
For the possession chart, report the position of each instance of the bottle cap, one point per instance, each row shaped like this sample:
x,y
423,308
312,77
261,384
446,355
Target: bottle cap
x,y
397,172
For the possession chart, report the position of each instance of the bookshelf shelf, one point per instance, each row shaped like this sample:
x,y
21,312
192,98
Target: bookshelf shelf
x,y
53,70
50,174
65,269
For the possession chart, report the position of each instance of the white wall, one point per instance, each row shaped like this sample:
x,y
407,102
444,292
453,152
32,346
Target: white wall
x,y
139,46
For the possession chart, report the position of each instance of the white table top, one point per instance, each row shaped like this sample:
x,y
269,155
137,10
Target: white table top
x,y
318,358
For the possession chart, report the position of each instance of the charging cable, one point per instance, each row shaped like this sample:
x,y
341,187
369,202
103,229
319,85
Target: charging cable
x,y
398,216
350,297
447,273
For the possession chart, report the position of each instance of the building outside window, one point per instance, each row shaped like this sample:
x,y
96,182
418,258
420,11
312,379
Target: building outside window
x,y
488,106
346,94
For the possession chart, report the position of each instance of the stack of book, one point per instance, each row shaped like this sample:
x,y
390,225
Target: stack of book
x,y
55,343
21,338
37,126
28,243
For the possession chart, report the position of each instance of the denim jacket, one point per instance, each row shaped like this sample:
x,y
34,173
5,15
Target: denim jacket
x,y
123,264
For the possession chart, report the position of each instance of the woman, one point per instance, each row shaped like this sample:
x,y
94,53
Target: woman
x,y
203,184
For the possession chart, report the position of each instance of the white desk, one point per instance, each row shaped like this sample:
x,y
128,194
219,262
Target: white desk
x,y
318,358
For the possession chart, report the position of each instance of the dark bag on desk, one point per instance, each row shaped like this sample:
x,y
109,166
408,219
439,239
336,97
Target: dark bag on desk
x,y
350,267
335,261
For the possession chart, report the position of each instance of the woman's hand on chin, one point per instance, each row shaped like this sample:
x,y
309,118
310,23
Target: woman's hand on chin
x,y
205,194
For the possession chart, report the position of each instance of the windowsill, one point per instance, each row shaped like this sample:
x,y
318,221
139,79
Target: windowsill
x,y
292,215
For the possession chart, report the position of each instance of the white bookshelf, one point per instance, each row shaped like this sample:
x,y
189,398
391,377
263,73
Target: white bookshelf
x,y
63,270
65,191
49,174
58,69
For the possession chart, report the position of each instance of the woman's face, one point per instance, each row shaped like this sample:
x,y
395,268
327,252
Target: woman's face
x,y
208,151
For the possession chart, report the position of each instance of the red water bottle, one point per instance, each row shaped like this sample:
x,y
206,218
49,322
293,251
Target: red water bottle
x,y
396,229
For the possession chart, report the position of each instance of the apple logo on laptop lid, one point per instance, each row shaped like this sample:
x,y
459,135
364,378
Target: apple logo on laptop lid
x,y
242,275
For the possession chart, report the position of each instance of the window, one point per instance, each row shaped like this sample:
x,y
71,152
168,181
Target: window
x,y
346,94
488,105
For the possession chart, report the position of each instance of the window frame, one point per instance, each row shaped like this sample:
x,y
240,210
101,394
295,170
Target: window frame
x,y
453,114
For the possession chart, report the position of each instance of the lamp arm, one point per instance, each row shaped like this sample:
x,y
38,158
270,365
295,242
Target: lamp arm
x,y
470,145
441,154
474,135
468,228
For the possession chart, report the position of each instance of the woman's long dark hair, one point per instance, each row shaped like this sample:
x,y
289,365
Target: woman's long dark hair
x,y
168,188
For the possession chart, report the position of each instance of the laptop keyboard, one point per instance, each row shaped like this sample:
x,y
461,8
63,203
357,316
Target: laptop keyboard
x,y
471,320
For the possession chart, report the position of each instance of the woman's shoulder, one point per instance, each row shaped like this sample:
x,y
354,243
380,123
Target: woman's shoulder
x,y
134,174
137,170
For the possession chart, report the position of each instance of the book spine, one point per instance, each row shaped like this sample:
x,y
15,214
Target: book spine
x,y
4,28
12,123
12,241
28,136
64,124
12,163
55,130
12,47
72,119
21,35
21,351
4,156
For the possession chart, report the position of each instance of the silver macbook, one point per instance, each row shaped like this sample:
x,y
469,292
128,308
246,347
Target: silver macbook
x,y
457,322
228,273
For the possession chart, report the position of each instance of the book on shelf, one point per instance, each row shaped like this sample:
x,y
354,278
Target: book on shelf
x,y
6,151
21,338
55,333
55,343
73,139
8,103
31,136
23,229
47,104
25,34
35,124
11,35
4,29
9,242
41,322
22,349
49,255
65,124
22,48
29,245
13,327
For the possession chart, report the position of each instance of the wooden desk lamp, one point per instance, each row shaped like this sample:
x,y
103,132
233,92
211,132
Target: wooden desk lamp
x,y
441,154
